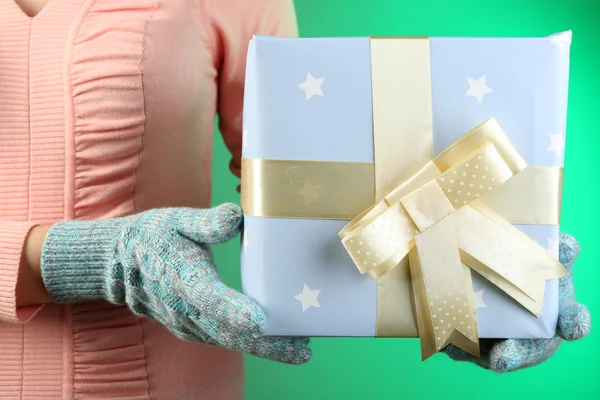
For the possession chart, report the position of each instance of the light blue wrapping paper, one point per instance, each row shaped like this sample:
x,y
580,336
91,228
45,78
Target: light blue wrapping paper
x,y
527,83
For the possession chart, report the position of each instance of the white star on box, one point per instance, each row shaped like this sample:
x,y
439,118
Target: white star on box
x,y
557,143
562,40
552,245
478,88
246,242
308,298
310,192
479,303
312,86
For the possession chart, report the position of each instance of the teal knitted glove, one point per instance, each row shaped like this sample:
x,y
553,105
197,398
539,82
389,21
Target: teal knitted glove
x,y
159,264
513,354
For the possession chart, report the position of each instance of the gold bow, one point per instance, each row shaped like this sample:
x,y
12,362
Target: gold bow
x,y
436,218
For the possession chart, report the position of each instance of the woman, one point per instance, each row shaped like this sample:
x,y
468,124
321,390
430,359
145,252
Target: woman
x,y
106,111
106,116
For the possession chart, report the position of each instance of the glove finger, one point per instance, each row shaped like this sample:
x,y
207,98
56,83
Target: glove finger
x,y
458,354
288,350
574,322
514,354
213,225
568,250
305,340
201,287
175,319
222,304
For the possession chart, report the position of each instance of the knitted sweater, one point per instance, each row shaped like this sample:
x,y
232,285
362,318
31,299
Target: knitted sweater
x,y
107,109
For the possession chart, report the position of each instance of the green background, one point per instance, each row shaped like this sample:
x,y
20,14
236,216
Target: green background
x,y
344,368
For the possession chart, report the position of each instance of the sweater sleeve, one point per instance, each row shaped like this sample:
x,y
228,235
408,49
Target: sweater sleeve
x,y
12,240
232,23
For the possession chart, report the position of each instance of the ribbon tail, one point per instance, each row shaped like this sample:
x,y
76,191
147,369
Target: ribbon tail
x,y
505,256
395,306
442,290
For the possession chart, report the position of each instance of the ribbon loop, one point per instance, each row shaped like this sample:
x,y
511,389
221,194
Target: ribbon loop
x,y
488,132
475,176
381,241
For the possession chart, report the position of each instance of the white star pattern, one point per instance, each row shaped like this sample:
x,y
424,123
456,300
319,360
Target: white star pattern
x,y
245,138
308,298
552,246
557,143
246,242
312,86
562,40
478,88
479,303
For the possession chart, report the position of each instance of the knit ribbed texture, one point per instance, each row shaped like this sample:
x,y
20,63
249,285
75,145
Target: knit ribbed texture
x,y
12,238
32,171
514,354
46,106
14,162
32,161
43,356
14,114
32,357
77,259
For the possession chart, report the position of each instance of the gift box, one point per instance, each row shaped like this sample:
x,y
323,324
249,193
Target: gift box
x,y
332,126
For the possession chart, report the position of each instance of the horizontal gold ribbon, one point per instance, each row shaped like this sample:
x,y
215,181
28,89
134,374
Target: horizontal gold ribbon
x,y
341,190
306,189
533,197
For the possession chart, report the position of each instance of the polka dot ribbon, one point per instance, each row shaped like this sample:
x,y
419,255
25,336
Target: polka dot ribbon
x,y
438,220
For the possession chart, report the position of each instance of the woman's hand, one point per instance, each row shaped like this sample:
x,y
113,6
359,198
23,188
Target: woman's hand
x,y
159,263
513,354
30,287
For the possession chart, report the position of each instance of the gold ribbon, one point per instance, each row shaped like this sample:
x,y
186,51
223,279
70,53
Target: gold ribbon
x,y
306,189
438,218
341,190
419,237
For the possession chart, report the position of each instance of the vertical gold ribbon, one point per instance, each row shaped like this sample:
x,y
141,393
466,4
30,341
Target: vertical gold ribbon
x,y
402,119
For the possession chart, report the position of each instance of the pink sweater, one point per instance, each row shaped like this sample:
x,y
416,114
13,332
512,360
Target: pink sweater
x,y
107,109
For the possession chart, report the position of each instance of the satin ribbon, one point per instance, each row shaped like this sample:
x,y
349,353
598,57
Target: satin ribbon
x,y
341,190
438,219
